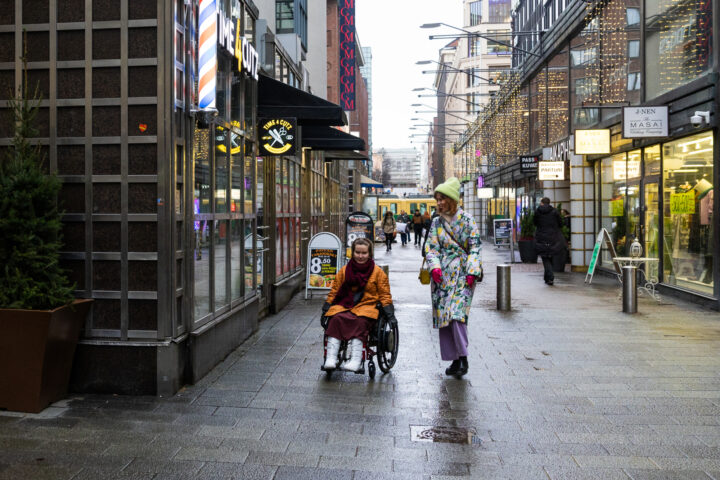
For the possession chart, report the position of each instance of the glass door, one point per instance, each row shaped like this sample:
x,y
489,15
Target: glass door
x,y
651,210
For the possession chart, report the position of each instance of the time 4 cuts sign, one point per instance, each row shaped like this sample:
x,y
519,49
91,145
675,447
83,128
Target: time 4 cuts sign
x,y
277,136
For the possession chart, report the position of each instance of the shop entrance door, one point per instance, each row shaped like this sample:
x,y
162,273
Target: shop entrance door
x,y
650,231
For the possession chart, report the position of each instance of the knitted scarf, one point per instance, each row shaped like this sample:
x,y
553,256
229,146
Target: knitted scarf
x,y
356,276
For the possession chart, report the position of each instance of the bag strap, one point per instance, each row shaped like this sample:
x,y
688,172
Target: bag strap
x,y
448,229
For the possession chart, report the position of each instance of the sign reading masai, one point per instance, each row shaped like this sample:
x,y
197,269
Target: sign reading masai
x,y
645,122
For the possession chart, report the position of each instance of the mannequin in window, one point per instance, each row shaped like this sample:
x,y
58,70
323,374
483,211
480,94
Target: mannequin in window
x,y
704,197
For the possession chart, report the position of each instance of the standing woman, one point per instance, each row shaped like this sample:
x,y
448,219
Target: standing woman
x,y
453,254
388,226
549,240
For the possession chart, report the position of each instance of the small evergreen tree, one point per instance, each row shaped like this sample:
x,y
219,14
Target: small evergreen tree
x,y
30,221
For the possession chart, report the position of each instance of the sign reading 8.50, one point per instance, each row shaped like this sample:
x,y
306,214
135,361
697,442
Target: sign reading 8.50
x,y
317,263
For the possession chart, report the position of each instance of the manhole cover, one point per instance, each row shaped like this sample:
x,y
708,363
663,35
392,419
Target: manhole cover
x,y
429,433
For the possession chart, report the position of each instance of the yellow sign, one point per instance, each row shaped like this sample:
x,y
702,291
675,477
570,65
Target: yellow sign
x,y
277,136
682,203
592,141
617,207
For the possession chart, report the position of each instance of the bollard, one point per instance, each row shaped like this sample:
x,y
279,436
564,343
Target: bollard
x,y
629,280
503,287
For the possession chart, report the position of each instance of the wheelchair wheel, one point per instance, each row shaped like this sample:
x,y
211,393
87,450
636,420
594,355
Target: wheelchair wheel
x,y
387,344
371,369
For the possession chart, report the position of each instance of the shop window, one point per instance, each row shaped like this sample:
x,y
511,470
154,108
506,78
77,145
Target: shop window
x,y
105,10
142,42
106,236
70,45
106,82
141,9
106,159
71,159
70,83
142,236
220,264
106,44
237,251
37,79
688,212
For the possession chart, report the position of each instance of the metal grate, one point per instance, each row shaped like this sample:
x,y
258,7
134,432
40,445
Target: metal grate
x,y
429,433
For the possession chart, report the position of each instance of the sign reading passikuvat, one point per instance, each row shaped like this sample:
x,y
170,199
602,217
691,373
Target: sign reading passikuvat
x,y
593,141
551,171
277,136
645,122
528,164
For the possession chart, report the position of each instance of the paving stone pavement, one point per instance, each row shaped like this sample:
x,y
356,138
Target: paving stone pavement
x,y
564,386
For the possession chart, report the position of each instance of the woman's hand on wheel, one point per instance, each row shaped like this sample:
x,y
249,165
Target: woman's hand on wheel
x,y
436,275
470,280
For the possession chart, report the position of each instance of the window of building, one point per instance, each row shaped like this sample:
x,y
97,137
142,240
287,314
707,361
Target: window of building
x,y
284,16
632,16
495,48
633,81
583,56
678,44
475,13
474,47
633,50
499,11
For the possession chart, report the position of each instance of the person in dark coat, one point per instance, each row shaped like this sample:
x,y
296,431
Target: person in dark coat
x,y
549,240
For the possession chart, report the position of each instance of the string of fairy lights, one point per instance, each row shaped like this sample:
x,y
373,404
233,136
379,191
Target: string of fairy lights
x,y
606,69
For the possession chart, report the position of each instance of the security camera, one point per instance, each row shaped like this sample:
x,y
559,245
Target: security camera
x,y
699,117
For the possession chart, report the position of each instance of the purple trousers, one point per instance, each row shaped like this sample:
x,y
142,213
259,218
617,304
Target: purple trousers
x,y
453,341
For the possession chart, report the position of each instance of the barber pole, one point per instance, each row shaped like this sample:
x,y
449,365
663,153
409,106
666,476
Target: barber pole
x,y
207,54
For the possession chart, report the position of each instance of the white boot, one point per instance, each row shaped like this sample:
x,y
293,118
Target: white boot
x,y
331,359
353,365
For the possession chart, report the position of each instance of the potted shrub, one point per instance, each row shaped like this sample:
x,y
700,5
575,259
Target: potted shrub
x,y
526,242
40,320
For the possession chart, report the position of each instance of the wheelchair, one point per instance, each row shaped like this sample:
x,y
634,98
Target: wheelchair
x,y
382,342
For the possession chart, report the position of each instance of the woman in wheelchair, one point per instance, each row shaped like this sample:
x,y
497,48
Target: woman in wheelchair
x,y
351,305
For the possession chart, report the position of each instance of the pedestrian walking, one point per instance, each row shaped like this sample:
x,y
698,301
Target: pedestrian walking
x,y
417,221
351,305
404,217
401,229
549,240
454,256
427,219
389,226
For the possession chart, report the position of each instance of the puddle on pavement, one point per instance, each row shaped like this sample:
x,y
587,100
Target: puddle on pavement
x,y
433,434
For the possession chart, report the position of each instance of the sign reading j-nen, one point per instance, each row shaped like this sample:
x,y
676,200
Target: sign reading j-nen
x,y
644,122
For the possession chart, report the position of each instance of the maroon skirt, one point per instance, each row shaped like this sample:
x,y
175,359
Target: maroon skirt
x,y
346,326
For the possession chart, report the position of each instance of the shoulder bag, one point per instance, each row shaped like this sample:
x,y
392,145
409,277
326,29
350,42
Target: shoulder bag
x,y
424,275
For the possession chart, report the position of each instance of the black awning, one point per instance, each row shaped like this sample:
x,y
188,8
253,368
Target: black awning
x,y
276,100
328,138
330,155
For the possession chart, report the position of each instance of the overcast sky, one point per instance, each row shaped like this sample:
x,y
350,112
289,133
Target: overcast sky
x,y
392,29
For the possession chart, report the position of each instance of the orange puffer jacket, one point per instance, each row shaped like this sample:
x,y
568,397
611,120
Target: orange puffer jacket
x,y
377,290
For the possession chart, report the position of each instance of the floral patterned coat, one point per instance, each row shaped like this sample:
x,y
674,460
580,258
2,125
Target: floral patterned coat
x,y
451,299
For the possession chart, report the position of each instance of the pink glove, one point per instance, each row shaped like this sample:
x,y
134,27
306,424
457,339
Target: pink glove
x,y
470,279
436,275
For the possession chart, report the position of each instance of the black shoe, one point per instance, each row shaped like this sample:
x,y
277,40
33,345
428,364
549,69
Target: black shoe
x,y
549,282
463,366
454,368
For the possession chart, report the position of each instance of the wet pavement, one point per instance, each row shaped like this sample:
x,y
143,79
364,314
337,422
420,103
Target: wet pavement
x,y
564,386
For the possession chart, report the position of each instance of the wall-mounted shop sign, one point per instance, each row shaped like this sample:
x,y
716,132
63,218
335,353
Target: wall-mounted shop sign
x,y
559,152
346,26
480,181
551,170
277,136
645,122
239,47
529,164
592,141
485,192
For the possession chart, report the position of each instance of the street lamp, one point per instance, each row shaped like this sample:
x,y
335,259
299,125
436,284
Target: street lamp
x,y
476,34
438,93
435,111
466,72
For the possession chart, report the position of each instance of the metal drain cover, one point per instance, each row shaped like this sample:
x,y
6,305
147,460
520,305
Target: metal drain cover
x,y
429,433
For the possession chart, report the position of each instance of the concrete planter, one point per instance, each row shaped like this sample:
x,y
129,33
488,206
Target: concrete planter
x,y
36,354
